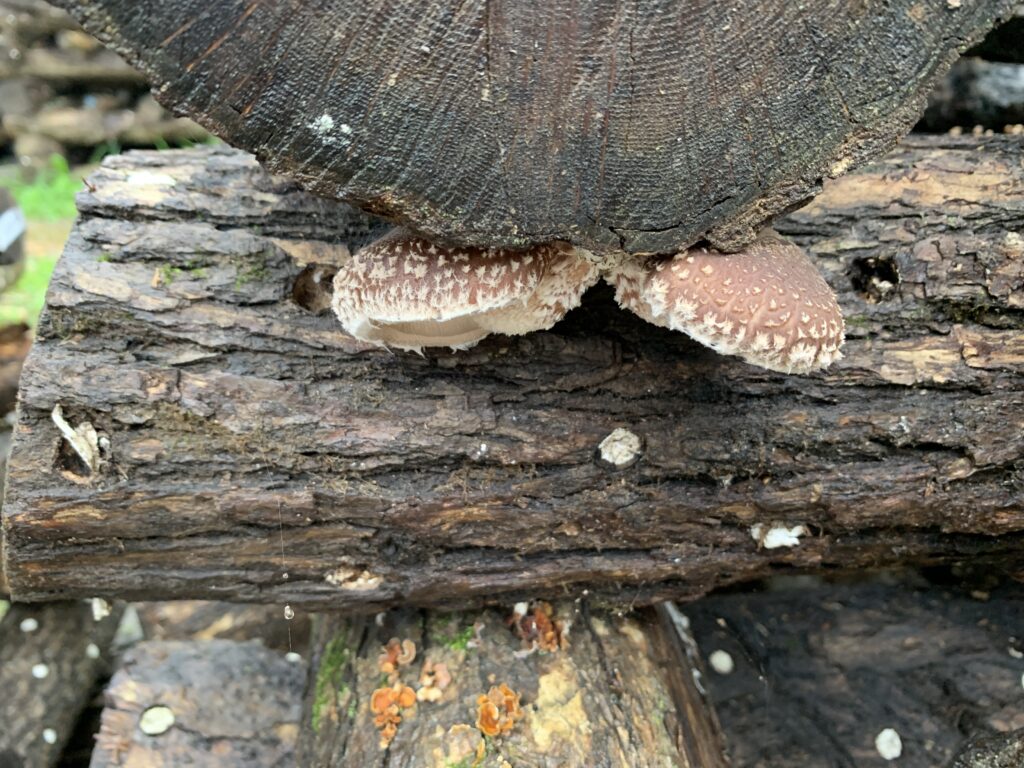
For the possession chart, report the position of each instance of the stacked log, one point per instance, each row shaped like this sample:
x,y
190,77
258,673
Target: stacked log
x,y
61,91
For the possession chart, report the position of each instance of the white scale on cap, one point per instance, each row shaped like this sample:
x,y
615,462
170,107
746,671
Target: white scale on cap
x,y
12,226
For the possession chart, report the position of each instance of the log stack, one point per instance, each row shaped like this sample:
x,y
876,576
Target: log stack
x,y
62,92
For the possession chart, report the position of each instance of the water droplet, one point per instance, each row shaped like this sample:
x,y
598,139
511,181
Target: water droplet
x,y
289,613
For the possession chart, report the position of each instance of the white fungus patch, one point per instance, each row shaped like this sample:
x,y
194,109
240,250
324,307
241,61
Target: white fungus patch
x,y
40,671
156,720
100,608
777,535
353,578
323,125
49,736
621,448
92,651
889,744
29,625
721,662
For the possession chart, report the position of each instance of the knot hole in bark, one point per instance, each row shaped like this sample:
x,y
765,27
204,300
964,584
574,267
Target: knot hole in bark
x,y
313,288
875,278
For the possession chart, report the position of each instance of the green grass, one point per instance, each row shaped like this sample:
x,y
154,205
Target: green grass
x,y
50,195
23,301
47,200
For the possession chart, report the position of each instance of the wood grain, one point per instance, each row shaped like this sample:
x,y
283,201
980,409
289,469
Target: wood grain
x,y
645,126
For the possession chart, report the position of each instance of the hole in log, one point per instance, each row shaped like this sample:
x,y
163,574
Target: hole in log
x,y
875,279
313,288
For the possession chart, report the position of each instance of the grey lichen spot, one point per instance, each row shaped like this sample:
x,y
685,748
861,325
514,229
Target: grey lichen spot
x,y
620,449
156,720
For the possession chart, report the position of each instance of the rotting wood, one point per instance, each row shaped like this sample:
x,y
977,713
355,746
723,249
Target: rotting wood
x,y
51,656
203,703
819,670
646,127
602,700
249,438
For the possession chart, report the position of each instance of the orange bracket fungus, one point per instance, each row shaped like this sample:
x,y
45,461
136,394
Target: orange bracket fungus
x,y
497,710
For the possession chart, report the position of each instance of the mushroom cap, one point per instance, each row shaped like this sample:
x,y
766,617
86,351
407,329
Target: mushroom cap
x,y
406,292
767,303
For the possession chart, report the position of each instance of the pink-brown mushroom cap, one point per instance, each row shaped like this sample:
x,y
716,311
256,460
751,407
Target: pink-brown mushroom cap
x,y
768,304
406,292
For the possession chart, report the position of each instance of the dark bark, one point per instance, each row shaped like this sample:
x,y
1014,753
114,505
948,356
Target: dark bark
x,y
604,700
821,669
647,127
213,703
977,92
51,656
250,438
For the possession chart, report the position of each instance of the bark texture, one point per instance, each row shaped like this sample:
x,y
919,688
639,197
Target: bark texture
x,y
241,447
603,700
821,669
213,703
51,656
646,127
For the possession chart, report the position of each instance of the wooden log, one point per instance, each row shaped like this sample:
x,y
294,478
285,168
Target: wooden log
x,y
51,656
604,699
820,670
240,437
977,92
646,128
212,703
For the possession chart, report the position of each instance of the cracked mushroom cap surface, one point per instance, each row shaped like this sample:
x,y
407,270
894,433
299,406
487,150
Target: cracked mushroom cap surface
x,y
767,304
406,292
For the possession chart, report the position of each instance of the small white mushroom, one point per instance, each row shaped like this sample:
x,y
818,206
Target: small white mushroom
x,y
721,662
403,291
28,625
620,448
40,671
889,744
767,304
49,736
156,720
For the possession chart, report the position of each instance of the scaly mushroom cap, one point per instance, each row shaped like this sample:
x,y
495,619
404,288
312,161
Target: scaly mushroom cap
x,y
406,292
767,304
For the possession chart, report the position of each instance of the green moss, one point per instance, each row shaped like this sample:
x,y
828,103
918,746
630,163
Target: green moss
x,y
168,272
460,642
251,271
330,686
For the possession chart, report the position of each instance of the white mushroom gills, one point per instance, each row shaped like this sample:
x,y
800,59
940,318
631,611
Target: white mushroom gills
x,y
767,304
405,292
